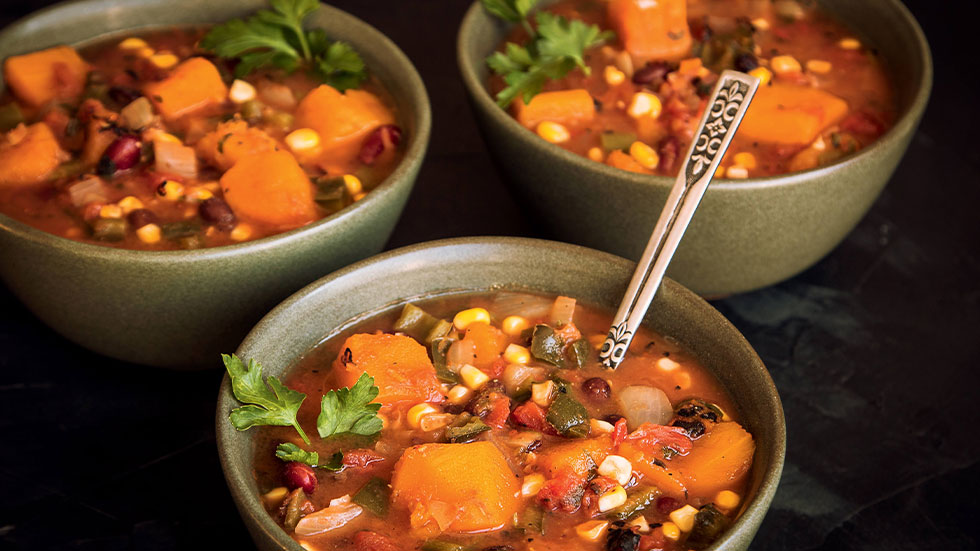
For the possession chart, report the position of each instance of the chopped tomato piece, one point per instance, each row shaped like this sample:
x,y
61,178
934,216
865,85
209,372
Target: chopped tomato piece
x,y
649,436
563,492
361,458
366,540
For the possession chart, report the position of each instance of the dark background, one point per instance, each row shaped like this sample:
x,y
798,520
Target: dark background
x,y
874,350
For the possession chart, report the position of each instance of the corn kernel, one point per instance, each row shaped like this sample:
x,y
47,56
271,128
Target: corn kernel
x,y
164,61
157,135
592,530
644,104
542,394
129,203
745,159
303,140
671,531
111,211
684,517
667,364
133,43
459,395
645,155
473,377
514,325
617,468
761,23
764,75
274,497
170,190
818,66
613,76
819,144
146,52
517,354
596,154
359,196
785,65
198,194
641,524
433,421
150,233
598,426
849,43
614,498
532,485
241,232
241,91
417,412
727,500
464,318
737,172
682,380
353,184
553,132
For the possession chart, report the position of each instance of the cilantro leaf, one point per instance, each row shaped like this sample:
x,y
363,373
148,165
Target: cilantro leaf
x,y
288,451
559,37
274,404
349,410
337,63
514,11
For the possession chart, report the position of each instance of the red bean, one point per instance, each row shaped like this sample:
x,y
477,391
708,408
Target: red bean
x,y
667,504
383,137
596,389
652,73
300,475
216,211
141,217
124,152
669,149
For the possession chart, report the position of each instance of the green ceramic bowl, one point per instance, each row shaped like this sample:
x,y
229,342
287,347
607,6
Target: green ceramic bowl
x,y
747,233
484,264
181,308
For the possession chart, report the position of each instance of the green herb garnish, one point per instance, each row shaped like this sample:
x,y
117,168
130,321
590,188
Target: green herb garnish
x,y
276,38
556,47
268,403
288,451
350,410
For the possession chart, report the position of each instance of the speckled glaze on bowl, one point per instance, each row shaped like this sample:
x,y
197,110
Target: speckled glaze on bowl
x,y
181,308
485,264
747,233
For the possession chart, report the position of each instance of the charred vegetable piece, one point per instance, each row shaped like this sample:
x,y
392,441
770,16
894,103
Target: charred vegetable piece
x,y
439,348
612,141
374,496
721,51
546,346
636,503
569,417
622,538
577,355
709,523
467,432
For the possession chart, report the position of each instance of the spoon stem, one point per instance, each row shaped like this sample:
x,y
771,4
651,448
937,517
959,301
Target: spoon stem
x,y
727,105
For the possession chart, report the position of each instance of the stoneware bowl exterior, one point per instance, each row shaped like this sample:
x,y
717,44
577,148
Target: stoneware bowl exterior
x,y
486,264
181,308
747,233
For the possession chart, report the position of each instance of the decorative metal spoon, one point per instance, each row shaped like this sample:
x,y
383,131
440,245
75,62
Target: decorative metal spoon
x,y
727,105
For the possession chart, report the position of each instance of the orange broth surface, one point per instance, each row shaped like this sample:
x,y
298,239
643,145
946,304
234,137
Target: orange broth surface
x,y
316,373
89,115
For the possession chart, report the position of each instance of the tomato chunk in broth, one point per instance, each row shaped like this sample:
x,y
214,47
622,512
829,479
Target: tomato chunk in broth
x,y
537,448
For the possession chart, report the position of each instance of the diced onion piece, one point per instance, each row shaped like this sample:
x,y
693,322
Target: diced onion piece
x,y
175,158
460,353
339,513
562,311
276,95
137,114
517,375
89,190
645,404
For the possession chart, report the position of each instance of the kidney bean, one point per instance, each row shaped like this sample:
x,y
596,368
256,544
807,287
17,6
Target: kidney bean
x,y
746,62
651,73
668,149
123,153
300,475
141,217
216,211
123,95
667,504
377,141
596,389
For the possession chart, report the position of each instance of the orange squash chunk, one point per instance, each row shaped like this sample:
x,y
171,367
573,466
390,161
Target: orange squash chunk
x,y
231,141
790,115
342,120
400,366
652,30
719,460
28,155
488,344
456,488
622,160
568,107
270,188
666,479
39,77
580,456
193,85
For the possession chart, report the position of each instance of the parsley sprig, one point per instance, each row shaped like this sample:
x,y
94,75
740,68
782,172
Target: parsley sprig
x,y
276,38
288,451
350,410
268,403
556,47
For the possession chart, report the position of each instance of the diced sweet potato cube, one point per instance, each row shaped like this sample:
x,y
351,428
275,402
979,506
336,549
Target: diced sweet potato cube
x,y
719,460
568,107
400,366
456,488
664,478
652,30
580,456
488,344
28,155
270,188
194,85
790,115
231,141
39,77
342,120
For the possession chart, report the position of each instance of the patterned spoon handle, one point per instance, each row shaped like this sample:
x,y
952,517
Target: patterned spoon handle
x,y
727,105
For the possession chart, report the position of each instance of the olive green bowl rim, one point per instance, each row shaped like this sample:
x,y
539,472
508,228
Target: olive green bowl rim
x,y
255,514
417,100
905,124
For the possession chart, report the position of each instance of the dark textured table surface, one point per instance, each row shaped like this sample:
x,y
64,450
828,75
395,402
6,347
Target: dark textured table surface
x,y
874,351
